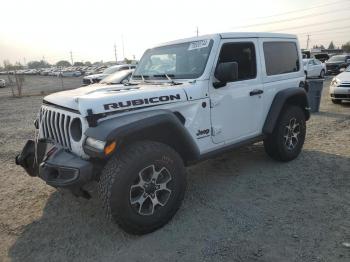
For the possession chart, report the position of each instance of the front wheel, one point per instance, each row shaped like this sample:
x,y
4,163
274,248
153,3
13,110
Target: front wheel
x,y
287,139
143,186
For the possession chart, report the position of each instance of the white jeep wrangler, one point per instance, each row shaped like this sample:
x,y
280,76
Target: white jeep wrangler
x,y
188,100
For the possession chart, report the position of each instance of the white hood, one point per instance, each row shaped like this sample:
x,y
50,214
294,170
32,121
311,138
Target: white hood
x,y
96,76
344,77
102,98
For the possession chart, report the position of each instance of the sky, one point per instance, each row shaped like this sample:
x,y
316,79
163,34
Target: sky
x,y
50,30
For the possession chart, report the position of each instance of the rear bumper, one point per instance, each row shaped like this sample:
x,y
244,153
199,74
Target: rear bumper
x,y
54,165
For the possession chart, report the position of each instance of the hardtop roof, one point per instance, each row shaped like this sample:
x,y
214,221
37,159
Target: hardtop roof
x,y
229,35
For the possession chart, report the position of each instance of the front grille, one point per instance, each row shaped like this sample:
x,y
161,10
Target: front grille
x,y
332,67
55,125
345,85
344,96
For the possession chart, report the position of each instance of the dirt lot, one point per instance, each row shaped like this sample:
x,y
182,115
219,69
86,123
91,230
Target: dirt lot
x,y
241,206
36,85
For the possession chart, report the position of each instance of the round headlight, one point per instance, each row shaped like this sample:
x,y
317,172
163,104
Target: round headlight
x,y
76,130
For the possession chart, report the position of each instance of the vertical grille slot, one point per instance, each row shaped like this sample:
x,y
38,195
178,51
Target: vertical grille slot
x,y
66,127
55,126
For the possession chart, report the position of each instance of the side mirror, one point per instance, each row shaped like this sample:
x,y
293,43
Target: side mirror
x,y
125,81
226,72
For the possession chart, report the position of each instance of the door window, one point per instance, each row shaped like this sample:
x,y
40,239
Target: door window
x,y
281,58
244,55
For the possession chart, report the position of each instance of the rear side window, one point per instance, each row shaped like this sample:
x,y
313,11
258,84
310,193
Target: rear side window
x,y
281,58
244,55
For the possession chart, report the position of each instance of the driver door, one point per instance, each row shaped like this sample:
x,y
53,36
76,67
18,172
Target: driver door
x,y
236,108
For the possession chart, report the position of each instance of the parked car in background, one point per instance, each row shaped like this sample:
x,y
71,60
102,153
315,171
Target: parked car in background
x,y
322,57
340,87
87,80
120,77
314,68
2,83
69,73
336,63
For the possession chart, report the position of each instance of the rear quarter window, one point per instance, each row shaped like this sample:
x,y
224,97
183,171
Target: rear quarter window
x,y
281,58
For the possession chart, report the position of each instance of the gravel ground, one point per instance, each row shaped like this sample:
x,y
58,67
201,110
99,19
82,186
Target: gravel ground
x,y
241,206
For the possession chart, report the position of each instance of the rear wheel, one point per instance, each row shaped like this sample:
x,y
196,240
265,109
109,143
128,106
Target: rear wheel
x,y
143,186
287,139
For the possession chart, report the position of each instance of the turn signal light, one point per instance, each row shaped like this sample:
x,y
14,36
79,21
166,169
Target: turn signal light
x,y
109,149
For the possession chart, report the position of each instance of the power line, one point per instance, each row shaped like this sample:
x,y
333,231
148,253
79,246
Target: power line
x,y
325,30
290,19
314,24
302,10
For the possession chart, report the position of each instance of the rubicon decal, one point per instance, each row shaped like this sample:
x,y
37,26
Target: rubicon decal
x,y
140,102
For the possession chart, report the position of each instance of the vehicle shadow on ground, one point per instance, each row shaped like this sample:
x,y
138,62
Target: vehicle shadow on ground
x,y
241,206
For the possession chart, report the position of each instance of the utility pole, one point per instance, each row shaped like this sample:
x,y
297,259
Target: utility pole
x,y
115,53
123,46
71,57
197,31
307,41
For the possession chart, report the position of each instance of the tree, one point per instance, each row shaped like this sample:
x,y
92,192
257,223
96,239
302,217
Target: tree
x,y
78,63
38,64
331,45
63,63
87,63
346,47
127,61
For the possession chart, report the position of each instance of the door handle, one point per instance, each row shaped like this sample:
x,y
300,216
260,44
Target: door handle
x,y
256,92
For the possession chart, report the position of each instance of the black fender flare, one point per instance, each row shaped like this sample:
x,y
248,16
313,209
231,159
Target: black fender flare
x,y
157,125
294,96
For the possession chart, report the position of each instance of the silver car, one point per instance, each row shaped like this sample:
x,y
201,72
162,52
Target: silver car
x,y
340,87
2,83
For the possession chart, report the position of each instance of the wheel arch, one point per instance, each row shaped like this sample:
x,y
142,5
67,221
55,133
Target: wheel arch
x,y
289,96
161,126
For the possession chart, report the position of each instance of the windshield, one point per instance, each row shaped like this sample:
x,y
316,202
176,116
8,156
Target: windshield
x,y
117,77
337,58
179,61
111,70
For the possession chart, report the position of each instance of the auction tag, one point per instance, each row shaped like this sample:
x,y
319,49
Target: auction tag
x,y
198,44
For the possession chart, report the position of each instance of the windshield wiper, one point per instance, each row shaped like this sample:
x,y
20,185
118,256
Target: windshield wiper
x,y
169,78
142,77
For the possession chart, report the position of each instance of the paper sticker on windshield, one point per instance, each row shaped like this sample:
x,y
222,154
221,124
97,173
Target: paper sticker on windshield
x,y
198,44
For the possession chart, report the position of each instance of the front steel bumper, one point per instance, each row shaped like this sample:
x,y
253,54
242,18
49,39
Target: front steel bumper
x,y
56,166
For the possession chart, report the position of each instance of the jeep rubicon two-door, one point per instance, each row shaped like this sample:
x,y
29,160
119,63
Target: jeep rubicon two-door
x,y
187,100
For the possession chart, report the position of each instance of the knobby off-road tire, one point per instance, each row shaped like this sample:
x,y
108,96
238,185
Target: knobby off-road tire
x,y
138,204
287,139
